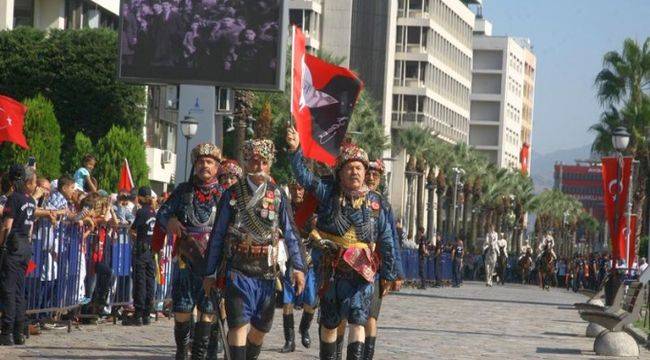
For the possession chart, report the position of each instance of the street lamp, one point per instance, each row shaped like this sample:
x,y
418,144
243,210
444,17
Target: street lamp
x,y
620,139
189,126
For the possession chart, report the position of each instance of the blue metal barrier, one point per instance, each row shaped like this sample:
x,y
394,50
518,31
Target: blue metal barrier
x,y
67,268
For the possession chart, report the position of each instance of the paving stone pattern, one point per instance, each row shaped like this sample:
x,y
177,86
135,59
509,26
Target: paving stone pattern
x,y
471,322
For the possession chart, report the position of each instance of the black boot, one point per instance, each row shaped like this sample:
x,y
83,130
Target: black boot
x,y
135,320
355,351
305,323
369,348
339,348
201,340
327,351
213,347
252,350
146,318
238,352
289,334
182,337
6,339
19,334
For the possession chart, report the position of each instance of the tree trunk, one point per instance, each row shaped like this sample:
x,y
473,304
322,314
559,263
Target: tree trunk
x,y
471,239
467,212
440,191
243,107
430,219
410,207
420,201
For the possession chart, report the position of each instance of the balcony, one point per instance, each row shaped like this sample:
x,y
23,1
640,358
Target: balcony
x,y
413,13
416,49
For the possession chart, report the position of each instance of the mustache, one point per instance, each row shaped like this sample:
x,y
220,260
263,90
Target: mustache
x,y
260,174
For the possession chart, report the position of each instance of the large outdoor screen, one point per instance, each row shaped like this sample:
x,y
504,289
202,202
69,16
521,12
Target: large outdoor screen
x,y
234,43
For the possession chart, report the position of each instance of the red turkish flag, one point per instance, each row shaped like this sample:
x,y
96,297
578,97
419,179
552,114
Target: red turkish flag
x,y
126,182
12,120
524,156
623,240
323,97
615,197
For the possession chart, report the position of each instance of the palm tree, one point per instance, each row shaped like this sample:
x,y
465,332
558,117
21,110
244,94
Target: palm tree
x,y
522,190
625,82
625,77
437,155
414,141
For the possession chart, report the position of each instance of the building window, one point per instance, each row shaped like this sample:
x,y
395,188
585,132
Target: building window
x,y
23,13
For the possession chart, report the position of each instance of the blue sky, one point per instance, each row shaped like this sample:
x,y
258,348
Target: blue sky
x,y
569,38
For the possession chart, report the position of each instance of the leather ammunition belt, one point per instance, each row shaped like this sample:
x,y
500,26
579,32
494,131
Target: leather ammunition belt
x,y
252,250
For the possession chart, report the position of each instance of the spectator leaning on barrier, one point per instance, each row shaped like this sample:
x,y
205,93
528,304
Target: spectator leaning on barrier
x,y
124,209
18,219
83,176
61,200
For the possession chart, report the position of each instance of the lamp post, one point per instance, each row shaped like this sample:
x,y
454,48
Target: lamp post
x,y
620,141
189,126
458,171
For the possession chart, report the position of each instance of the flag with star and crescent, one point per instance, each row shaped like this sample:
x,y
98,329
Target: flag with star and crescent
x,y
12,117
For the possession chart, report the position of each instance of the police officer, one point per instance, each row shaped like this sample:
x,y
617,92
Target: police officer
x,y
457,260
353,223
15,235
144,268
245,241
189,214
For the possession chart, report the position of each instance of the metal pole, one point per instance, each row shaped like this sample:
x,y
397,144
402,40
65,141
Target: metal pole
x,y
453,203
616,200
628,217
187,149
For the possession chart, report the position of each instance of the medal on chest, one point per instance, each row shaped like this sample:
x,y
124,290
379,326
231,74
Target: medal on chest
x,y
269,205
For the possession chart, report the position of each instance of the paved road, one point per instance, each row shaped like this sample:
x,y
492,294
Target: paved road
x,y
511,322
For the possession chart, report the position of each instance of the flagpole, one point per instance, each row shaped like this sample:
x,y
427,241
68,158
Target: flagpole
x,y
293,60
628,216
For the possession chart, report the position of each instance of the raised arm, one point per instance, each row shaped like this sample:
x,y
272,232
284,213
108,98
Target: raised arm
x,y
303,175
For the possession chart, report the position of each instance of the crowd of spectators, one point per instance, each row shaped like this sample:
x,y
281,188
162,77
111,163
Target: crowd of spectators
x,y
77,201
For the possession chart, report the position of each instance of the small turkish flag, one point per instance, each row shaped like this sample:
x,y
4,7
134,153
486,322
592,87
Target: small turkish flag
x,y
12,118
126,181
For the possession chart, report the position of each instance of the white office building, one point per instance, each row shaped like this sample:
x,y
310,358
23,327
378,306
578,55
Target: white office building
x,y
503,84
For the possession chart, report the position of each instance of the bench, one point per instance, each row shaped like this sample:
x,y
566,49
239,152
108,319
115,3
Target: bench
x,y
618,316
618,298
592,304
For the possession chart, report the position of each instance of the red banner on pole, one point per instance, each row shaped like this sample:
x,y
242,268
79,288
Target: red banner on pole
x,y
524,156
616,182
